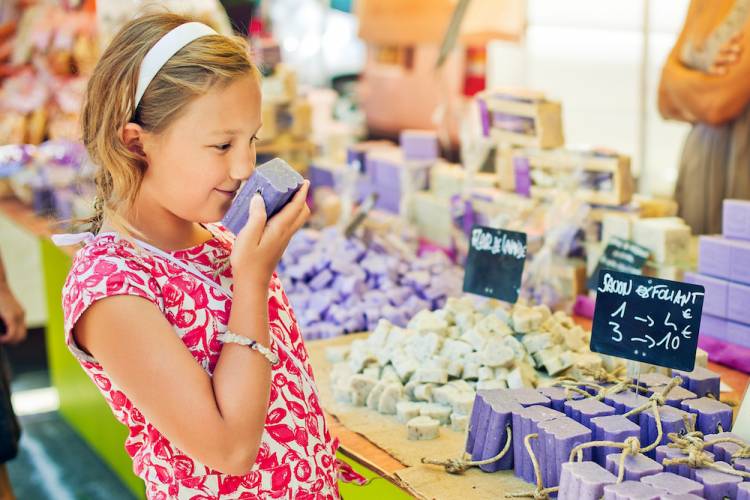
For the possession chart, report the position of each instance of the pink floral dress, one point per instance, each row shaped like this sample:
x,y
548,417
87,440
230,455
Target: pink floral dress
x,y
297,457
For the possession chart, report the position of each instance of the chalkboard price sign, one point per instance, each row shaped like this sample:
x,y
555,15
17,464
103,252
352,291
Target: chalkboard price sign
x,y
647,319
494,265
620,255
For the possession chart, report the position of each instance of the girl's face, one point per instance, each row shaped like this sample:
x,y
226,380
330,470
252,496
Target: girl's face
x,y
197,164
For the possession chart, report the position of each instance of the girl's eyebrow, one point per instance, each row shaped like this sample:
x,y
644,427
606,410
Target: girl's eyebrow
x,y
233,131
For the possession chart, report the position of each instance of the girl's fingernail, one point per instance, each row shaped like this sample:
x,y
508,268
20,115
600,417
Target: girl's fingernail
x,y
256,202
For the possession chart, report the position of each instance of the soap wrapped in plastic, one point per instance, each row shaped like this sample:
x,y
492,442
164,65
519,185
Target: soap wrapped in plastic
x,y
276,182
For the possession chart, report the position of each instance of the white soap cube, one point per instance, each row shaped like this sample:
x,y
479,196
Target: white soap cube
x,y
422,428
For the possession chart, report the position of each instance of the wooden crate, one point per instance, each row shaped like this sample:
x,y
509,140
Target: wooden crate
x,y
544,115
555,161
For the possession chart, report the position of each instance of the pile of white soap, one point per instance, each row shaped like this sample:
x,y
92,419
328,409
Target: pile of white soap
x,y
434,366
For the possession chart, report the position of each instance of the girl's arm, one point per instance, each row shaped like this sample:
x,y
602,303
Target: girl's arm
x,y
689,95
217,420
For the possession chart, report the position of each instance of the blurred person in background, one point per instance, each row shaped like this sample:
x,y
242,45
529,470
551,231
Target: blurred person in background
x,y
706,82
12,331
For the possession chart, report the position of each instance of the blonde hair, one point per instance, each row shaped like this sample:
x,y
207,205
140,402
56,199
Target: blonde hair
x,y
108,103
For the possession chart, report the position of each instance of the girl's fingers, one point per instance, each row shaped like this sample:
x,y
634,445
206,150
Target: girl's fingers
x,y
256,221
285,219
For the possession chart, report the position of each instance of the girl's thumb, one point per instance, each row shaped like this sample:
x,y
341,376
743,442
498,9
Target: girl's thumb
x,y
257,205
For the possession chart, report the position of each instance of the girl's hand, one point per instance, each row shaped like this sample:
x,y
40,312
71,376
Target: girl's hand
x,y
728,55
259,246
14,317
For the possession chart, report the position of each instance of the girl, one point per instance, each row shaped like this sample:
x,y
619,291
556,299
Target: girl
x,y
219,400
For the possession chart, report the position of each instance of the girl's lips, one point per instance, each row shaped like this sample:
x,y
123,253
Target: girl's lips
x,y
227,193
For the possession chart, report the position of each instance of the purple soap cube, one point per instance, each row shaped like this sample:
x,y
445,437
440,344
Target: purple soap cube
x,y
717,485
558,438
631,490
714,256
739,263
716,300
714,327
558,396
611,428
584,481
738,334
624,402
676,396
321,176
743,491
738,305
664,452
742,464
584,410
736,219
276,182
700,381
722,451
526,421
419,144
713,416
321,280
672,420
674,484
636,466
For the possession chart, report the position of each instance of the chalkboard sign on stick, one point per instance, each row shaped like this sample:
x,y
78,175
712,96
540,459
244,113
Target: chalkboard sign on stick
x,y
494,265
620,255
647,319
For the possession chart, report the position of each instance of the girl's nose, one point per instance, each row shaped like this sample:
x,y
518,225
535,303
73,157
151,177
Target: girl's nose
x,y
243,164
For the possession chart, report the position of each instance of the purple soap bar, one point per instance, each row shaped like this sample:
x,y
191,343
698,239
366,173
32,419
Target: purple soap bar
x,y
419,144
529,397
653,379
674,484
742,464
735,221
712,326
585,409
611,428
672,420
700,381
558,438
495,413
624,402
558,396
636,466
738,333
676,396
711,415
714,256
526,421
743,491
738,305
276,182
631,490
717,485
664,452
716,300
320,176
722,451
584,481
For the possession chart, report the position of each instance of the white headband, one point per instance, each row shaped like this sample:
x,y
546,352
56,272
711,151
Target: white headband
x,y
163,50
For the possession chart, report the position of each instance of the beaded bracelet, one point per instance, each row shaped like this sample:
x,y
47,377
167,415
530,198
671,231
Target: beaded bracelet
x,y
233,338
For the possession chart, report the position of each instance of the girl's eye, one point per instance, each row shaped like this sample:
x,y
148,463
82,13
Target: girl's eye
x,y
223,147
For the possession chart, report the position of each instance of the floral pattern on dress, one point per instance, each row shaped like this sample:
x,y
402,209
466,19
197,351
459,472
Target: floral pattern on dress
x,y
297,455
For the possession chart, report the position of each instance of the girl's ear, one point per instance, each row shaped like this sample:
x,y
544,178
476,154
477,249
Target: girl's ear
x,y
132,137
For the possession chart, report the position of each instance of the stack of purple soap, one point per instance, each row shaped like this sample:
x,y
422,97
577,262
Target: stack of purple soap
x,y
584,481
338,285
724,270
701,382
490,416
584,410
526,421
276,182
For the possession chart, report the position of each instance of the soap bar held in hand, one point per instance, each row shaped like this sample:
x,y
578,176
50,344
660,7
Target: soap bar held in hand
x,y
276,182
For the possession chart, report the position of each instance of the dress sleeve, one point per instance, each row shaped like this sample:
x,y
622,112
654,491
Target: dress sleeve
x,y
98,275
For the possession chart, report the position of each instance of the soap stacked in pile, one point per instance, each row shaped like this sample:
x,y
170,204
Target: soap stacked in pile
x,y
275,181
338,285
563,425
434,367
724,269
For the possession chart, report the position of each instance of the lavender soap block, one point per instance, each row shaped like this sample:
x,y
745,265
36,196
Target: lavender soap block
x,y
276,182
